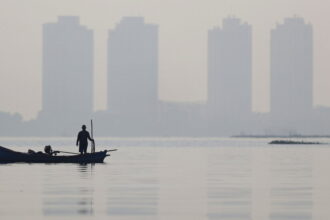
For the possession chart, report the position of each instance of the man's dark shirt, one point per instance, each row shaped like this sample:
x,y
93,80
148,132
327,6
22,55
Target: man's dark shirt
x,y
82,138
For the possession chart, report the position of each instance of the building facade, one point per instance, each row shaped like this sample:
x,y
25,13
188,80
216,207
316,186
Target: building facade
x,y
67,82
292,69
133,67
230,69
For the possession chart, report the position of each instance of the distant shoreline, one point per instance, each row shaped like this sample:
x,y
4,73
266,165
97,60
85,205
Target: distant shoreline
x,y
280,136
285,142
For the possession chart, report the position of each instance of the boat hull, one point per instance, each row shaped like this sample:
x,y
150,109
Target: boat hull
x,y
9,156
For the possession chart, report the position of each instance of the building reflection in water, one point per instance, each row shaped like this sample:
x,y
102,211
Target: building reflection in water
x,y
134,192
68,194
291,193
229,184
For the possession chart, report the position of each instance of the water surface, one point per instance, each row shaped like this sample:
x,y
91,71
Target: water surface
x,y
171,178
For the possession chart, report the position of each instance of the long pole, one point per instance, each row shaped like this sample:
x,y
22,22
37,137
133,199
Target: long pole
x,y
92,127
93,143
66,152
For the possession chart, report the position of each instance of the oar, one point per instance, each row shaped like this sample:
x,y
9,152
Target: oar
x,y
58,151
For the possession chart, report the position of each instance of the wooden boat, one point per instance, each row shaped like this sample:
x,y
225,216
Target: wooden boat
x,y
10,156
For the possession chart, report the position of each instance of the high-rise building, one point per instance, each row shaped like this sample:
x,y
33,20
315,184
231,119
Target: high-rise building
x,y
292,69
230,69
67,84
133,67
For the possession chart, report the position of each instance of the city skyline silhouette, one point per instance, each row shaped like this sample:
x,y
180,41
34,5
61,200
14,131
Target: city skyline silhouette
x,y
183,34
134,107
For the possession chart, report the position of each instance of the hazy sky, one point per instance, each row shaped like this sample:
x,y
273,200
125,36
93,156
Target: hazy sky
x,y
183,27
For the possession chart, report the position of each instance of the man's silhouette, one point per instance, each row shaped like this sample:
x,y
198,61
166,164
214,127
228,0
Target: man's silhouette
x,y
82,140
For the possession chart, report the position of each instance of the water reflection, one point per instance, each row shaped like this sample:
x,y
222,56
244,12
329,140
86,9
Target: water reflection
x,y
292,187
68,195
135,193
229,184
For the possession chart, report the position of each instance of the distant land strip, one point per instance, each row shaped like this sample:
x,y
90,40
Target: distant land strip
x,y
281,136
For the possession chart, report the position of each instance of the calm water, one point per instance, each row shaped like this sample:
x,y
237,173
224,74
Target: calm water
x,y
227,179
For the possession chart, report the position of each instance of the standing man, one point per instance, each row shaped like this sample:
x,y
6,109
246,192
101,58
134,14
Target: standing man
x,y
83,135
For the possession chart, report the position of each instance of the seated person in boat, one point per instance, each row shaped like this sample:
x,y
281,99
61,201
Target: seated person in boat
x,y
48,150
82,141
